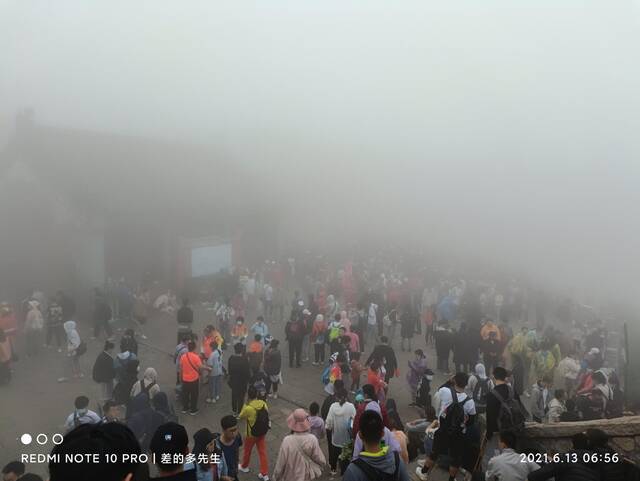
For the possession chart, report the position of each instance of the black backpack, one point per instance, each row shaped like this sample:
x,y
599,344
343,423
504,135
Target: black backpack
x,y
373,474
510,414
423,398
81,349
454,417
480,392
261,426
145,390
614,407
122,392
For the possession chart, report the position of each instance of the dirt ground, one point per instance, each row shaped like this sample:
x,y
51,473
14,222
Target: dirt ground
x,y
36,403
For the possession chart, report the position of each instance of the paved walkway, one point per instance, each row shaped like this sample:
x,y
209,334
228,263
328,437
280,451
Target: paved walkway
x,y
35,403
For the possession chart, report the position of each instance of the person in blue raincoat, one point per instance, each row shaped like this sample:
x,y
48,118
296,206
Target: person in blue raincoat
x,y
446,309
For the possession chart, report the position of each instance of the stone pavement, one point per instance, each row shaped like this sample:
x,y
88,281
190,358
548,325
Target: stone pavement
x,y
35,403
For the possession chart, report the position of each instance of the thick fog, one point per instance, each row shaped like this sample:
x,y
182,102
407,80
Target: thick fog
x,y
497,130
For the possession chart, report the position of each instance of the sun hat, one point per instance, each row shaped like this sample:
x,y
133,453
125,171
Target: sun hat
x,y
298,421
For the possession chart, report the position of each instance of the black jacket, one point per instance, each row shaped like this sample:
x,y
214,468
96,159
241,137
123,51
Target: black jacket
x,y
493,407
102,311
610,471
239,371
188,475
407,325
326,404
384,352
294,330
103,369
185,315
492,348
68,307
465,347
363,319
444,343
129,344
122,390
272,362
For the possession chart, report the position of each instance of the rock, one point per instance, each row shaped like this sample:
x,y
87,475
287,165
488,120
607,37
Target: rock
x,y
624,426
624,434
625,445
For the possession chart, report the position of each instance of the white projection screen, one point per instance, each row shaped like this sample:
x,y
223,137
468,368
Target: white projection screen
x,y
208,260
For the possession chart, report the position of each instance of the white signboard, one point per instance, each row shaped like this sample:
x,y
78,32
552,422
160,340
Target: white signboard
x,y
210,259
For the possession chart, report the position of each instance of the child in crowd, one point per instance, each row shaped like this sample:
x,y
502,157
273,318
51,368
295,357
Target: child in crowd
x,y
316,422
356,371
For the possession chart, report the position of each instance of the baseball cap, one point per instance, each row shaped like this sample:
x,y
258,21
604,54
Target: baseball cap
x,y
169,438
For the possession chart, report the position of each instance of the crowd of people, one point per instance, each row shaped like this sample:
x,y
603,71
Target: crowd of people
x,y
348,328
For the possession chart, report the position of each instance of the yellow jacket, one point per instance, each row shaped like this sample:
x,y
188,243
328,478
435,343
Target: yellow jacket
x,y
250,412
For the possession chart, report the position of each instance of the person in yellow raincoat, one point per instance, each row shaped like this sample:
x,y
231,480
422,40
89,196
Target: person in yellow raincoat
x,y
544,362
521,354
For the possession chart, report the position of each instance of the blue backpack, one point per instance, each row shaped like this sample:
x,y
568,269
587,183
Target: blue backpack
x,y
325,375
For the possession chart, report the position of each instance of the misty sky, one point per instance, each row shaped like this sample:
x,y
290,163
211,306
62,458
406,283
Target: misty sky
x,y
494,128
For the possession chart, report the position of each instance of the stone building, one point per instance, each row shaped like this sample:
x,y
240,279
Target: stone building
x,y
77,207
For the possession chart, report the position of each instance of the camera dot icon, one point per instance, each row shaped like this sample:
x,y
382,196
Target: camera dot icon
x,y
26,439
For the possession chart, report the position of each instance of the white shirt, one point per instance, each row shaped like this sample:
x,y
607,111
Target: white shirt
x,y
372,320
268,293
444,393
74,420
509,466
338,421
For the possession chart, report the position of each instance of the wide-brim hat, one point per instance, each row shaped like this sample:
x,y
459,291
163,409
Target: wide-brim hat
x,y
298,421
